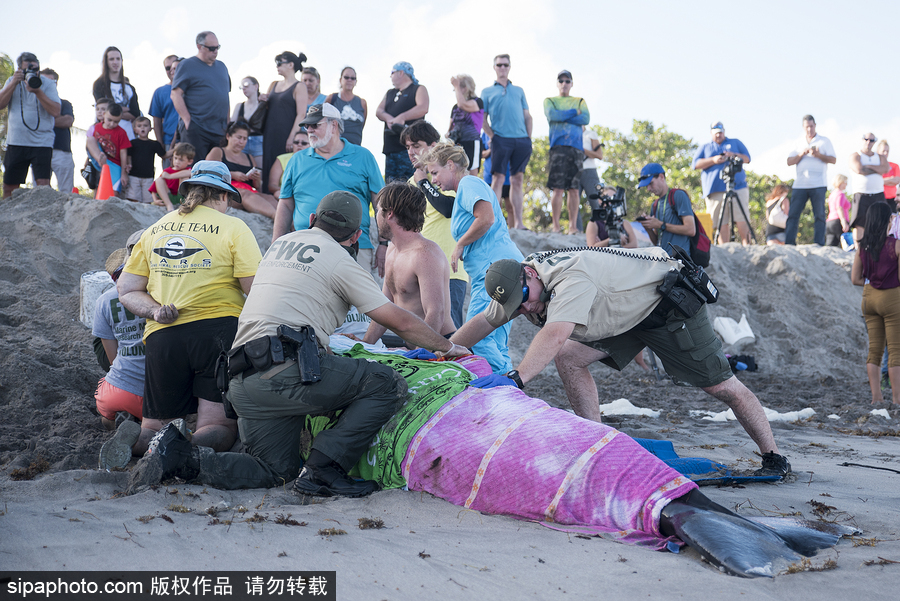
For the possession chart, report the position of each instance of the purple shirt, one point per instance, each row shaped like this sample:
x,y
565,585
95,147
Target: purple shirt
x,y
882,274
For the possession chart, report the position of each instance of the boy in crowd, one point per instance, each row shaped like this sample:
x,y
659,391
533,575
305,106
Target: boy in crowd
x,y
140,162
165,189
111,146
91,146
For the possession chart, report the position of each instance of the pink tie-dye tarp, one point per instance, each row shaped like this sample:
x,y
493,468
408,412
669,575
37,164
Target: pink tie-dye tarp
x,y
520,457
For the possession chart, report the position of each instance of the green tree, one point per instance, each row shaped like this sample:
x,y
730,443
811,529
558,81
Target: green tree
x,y
6,70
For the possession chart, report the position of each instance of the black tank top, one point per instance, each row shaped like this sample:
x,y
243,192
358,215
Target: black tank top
x,y
396,102
235,166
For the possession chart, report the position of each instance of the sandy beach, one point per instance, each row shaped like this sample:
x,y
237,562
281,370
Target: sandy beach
x,y
810,349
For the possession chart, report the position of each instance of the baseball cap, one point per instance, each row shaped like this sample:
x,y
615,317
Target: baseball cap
x,y
133,239
212,174
647,173
345,204
717,125
115,262
504,283
565,72
317,112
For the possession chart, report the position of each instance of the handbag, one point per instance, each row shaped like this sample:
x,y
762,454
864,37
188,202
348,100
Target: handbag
x,y
777,216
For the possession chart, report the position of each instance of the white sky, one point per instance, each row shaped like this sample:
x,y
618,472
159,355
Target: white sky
x,y
756,66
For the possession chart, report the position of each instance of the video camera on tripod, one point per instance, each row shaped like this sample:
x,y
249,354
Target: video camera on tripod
x,y
611,212
733,166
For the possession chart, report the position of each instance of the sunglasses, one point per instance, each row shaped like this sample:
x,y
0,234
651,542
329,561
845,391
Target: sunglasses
x,y
301,142
869,139
502,65
350,77
279,63
564,80
317,125
212,48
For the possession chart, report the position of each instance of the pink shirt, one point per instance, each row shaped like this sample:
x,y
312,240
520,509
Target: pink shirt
x,y
890,192
838,205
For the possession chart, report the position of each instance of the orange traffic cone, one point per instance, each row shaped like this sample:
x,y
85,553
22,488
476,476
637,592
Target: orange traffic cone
x,y
105,189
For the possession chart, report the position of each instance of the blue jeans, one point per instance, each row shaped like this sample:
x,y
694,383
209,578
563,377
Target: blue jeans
x,y
798,202
457,300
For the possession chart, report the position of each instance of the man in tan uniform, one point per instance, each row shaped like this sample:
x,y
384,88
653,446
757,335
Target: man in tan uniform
x,y
604,306
417,274
307,278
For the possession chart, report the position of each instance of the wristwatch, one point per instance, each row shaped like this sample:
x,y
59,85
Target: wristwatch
x,y
662,226
382,243
515,377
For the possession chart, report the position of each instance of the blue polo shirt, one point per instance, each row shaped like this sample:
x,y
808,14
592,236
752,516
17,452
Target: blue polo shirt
x,y
709,177
161,106
505,106
309,176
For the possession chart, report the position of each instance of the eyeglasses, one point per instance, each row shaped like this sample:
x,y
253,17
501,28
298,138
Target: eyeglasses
x,y
869,139
212,48
302,143
317,125
564,80
502,65
350,77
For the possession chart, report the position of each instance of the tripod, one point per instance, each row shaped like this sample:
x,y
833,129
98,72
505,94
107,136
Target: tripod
x,y
731,199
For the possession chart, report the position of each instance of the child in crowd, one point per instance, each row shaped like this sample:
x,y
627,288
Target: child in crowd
x,y
838,220
165,189
91,146
111,146
140,162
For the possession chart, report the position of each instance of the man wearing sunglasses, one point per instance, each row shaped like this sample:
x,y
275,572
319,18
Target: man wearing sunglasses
x,y
567,115
200,90
594,306
165,117
868,168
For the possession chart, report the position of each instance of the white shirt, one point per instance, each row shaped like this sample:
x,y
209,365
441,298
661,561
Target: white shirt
x,y
587,141
812,172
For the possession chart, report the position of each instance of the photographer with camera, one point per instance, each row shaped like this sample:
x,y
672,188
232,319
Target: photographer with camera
x,y
33,107
672,221
608,226
712,158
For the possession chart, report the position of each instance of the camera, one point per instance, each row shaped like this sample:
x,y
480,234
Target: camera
x,y
733,166
611,212
33,77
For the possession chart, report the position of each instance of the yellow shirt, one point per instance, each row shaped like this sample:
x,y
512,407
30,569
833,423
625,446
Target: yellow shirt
x,y
194,261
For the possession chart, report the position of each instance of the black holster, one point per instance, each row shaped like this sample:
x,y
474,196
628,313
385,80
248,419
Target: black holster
x,y
307,351
680,296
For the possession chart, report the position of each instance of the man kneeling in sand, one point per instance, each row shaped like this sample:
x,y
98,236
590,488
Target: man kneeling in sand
x,y
416,273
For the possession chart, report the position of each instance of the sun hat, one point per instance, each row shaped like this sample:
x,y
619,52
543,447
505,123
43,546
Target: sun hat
x,y
212,174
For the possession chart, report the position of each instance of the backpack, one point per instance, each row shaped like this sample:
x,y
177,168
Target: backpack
x,y
700,243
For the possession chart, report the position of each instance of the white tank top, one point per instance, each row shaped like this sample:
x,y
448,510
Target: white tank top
x,y
868,184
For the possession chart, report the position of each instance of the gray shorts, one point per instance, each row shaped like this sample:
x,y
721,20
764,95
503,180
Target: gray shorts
x,y
689,349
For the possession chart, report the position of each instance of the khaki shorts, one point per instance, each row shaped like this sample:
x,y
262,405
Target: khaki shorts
x,y
689,349
715,201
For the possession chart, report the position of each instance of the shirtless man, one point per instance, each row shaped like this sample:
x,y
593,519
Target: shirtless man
x,y
417,274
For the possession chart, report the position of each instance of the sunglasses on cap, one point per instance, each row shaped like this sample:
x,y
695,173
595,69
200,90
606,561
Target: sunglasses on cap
x,y
646,177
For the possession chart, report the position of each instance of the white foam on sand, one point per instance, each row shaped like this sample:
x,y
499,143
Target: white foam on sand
x,y
771,415
624,407
881,413
834,416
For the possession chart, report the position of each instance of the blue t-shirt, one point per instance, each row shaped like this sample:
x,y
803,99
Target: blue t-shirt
x,y
308,177
664,213
161,106
495,244
709,177
112,321
505,106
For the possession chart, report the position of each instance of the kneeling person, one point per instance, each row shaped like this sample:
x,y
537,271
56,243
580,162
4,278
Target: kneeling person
x,y
307,279
416,273
599,306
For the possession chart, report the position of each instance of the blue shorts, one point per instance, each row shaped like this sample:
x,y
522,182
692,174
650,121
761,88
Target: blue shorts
x,y
512,153
254,146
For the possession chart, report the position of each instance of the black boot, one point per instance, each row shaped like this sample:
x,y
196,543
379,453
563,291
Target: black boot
x,y
322,477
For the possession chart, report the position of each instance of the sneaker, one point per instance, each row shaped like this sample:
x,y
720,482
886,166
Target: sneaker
x,y
331,481
773,464
169,454
885,382
116,452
